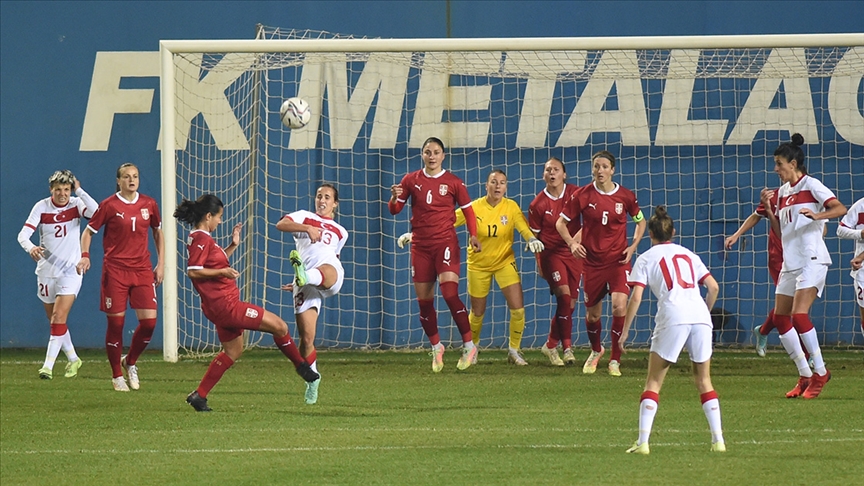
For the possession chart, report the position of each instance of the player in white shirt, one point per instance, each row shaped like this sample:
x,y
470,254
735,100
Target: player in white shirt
x,y
58,219
852,227
318,271
683,321
803,205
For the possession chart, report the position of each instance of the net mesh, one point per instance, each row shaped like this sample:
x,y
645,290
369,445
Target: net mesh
x,y
692,129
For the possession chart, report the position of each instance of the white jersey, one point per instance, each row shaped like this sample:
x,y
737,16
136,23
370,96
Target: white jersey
x,y
333,238
802,237
59,233
674,275
851,225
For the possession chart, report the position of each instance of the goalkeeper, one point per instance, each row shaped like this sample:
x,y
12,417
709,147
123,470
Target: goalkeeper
x,y
497,219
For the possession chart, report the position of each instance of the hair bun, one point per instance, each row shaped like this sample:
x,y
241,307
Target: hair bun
x,y
660,211
797,140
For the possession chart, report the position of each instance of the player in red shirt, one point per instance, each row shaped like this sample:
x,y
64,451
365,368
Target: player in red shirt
x,y
775,265
555,263
127,272
604,207
215,281
435,250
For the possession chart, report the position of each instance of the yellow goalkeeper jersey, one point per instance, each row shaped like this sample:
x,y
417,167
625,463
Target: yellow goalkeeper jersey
x,y
495,228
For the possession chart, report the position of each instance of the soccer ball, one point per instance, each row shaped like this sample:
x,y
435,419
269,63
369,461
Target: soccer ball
x,y
295,113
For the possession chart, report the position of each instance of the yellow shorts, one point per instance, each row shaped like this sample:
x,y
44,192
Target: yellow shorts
x,y
479,281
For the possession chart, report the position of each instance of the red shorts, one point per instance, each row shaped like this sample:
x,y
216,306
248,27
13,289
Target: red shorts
x,y
561,269
231,320
432,259
118,286
774,269
602,281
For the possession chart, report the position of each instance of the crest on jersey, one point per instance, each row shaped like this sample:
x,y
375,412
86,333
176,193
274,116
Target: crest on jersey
x,y
442,189
619,208
251,313
503,220
145,213
107,302
556,276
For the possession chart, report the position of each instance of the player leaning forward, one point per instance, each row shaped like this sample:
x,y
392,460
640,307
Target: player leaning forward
x,y
58,219
318,271
683,320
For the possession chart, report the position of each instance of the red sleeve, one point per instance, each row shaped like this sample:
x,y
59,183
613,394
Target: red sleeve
x,y
470,220
572,207
634,204
533,217
156,217
98,219
198,248
462,197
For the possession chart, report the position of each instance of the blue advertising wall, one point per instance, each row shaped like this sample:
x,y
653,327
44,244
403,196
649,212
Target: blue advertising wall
x,y
48,52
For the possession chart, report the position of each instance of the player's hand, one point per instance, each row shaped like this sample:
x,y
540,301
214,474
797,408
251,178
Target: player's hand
x,y
405,239
535,245
765,197
75,184
578,250
858,262
83,265
158,275
475,244
623,339
289,287
235,234
36,253
396,190
729,242
230,273
808,213
314,234
628,254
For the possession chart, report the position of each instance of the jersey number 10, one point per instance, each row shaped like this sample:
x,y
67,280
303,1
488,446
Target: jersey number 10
x,y
678,261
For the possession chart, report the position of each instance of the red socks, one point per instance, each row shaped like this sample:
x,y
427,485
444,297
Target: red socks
x,y
564,320
140,339
114,343
217,368
450,292
594,329
617,327
289,349
429,320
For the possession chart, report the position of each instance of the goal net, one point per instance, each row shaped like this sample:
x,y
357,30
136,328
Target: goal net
x,y
693,122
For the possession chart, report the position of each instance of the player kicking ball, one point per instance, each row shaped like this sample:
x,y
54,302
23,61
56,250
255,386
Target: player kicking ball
x,y
318,273
683,320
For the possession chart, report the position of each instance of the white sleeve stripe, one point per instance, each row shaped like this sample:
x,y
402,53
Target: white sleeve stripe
x,y
194,267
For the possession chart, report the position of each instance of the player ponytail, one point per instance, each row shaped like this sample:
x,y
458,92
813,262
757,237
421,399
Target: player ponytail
x,y
660,225
192,212
792,151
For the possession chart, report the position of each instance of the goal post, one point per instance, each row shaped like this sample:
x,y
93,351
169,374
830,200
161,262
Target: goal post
x,y
693,122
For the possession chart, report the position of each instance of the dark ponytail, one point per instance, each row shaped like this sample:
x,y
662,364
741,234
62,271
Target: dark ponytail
x,y
192,212
792,151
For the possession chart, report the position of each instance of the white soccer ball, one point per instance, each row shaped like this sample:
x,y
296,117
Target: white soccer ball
x,y
295,113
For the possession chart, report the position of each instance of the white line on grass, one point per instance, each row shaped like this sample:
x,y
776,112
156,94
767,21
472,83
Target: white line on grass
x,y
410,447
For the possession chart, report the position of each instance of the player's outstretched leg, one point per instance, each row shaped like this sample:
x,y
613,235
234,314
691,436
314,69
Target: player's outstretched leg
x,y
300,278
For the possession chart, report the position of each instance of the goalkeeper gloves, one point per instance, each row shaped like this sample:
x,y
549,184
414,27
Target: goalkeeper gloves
x,y
535,245
404,239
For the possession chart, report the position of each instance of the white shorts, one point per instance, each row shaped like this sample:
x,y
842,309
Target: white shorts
x,y
309,296
50,287
668,342
803,278
859,287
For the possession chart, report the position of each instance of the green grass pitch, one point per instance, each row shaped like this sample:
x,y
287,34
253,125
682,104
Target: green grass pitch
x,y
385,418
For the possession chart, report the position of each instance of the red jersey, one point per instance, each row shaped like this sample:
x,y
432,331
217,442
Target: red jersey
x,y
604,221
216,293
126,227
432,202
543,213
775,244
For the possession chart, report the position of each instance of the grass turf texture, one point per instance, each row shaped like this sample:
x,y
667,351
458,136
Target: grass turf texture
x,y
385,418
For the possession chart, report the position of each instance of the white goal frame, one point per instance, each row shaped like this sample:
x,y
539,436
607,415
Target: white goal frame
x,y
168,48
